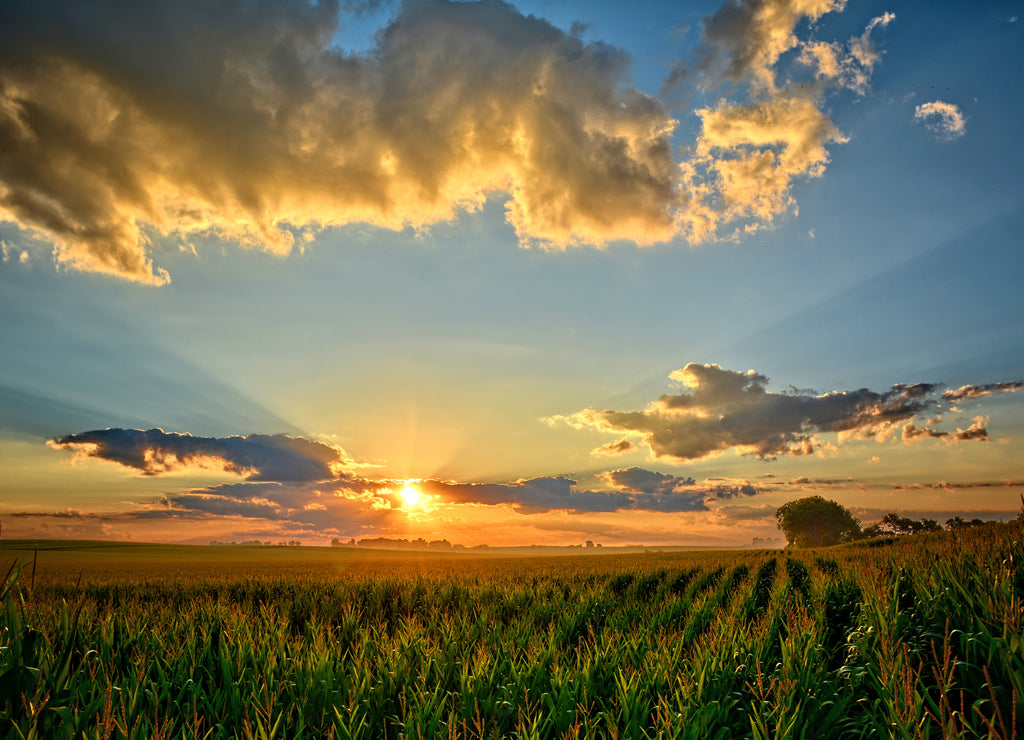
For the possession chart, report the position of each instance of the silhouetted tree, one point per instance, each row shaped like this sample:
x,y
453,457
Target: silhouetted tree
x,y
816,522
960,523
894,524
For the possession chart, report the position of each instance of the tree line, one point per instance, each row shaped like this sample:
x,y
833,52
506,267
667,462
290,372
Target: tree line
x,y
815,521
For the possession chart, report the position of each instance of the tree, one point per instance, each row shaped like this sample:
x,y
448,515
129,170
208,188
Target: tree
x,y
960,523
894,524
905,525
816,522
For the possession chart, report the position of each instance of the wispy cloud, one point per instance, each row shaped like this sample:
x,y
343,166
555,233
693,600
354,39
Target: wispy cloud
x,y
619,447
944,120
848,65
722,409
120,126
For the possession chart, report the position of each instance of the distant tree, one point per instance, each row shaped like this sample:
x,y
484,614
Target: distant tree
x,y
894,524
958,523
816,522
905,525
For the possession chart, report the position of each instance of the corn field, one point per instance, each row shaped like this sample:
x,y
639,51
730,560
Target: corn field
x,y
916,637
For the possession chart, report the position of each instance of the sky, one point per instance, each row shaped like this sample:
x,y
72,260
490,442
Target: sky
x,y
507,274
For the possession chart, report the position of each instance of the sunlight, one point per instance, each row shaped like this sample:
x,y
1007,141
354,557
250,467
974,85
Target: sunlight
x,y
410,496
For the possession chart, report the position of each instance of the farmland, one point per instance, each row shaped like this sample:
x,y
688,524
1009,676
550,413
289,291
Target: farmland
x,y
911,637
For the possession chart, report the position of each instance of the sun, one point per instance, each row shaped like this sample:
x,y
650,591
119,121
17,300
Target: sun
x,y
410,496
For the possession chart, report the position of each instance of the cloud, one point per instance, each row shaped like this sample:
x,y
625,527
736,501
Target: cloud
x,y
325,508
620,447
122,126
307,484
635,489
953,486
753,153
746,513
978,391
240,119
645,481
976,431
911,432
726,409
749,153
258,457
850,66
944,120
744,39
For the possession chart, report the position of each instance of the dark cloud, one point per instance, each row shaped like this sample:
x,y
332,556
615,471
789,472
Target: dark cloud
x,y
536,495
913,432
645,481
726,409
636,489
259,457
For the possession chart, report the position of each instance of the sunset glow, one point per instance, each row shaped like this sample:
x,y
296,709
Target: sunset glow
x,y
507,273
410,497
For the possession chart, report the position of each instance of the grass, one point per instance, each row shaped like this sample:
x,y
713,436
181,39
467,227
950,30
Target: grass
x,y
918,638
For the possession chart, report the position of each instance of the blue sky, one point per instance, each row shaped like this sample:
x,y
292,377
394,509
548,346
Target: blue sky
x,y
455,335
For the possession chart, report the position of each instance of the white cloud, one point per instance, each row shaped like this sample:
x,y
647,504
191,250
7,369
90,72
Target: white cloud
x,y
944,120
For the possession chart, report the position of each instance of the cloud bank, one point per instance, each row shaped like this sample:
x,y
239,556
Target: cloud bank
x,y
297,488
121,122
308,484
722,409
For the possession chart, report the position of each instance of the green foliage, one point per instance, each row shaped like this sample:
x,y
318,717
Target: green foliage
x,y
800,578
920,639
816,522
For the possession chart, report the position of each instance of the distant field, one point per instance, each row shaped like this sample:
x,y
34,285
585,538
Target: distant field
x,y
919,637
64,561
